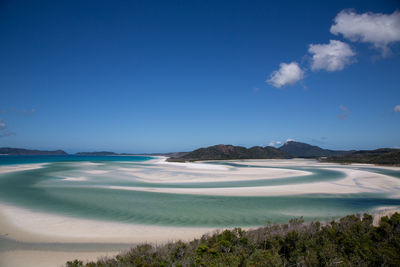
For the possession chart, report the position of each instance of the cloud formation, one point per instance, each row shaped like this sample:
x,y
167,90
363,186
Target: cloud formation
x,y
375,28
345,114
2,124
3,129
289,140
331,57
380,30
288,74
275,143
397,108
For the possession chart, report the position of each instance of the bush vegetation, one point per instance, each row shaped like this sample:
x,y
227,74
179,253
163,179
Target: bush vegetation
x,y
350,241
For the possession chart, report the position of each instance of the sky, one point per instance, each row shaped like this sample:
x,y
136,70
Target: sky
x,y
162,76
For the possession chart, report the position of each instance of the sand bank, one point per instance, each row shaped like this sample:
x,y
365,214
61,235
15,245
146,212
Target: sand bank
x,y
20,167
31,226
41,228
355,181
161,171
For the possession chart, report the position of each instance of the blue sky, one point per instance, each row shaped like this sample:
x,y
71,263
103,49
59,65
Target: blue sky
x,y
159,76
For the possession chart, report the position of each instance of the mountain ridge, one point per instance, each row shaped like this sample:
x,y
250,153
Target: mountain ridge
x,y
225,152
381,156
304,150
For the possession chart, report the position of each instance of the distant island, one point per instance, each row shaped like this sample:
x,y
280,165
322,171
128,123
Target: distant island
x,y
29,152
291,149
224,152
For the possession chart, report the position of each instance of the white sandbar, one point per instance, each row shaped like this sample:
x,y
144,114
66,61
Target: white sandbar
x,y
31,226
20,167
355,181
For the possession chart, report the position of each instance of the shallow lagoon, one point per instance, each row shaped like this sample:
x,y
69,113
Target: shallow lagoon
x,y
78,187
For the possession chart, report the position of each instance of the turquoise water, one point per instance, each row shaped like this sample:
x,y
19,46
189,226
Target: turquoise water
x,y
9,160
46,190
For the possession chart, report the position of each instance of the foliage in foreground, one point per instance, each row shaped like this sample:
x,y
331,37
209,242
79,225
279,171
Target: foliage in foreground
x,y
351,241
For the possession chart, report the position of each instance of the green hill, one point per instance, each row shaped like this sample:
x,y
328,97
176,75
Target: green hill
x,y
384,156
225,152
303,150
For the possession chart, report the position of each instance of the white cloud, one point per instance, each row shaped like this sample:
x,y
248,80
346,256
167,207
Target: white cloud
x,y
2,124
345,114
331,57
376,28
274,143
289,140
397,108
288,74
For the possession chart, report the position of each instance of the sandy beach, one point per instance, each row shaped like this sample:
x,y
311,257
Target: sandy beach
x,y
33,228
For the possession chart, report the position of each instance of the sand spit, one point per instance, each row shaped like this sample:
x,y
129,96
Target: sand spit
x,y
199,172
355,181
31,226
172,174
20,167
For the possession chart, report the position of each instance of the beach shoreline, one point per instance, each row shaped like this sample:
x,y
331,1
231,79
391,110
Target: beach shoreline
x,y
35,229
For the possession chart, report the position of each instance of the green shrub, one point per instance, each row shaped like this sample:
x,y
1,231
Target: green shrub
x,y
350,241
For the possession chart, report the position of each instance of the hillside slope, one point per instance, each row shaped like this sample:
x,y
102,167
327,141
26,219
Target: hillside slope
x,y
384,156
303,150
224,152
